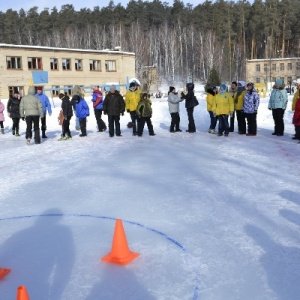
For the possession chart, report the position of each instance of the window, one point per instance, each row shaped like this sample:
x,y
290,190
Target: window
x,y
34,63
95,65
289,79
13,63
12,89
257,68
78,64
55,90
281,66
273,67
257,80
290,66
66,63
265,67
53,63
110,66
68,89
298,66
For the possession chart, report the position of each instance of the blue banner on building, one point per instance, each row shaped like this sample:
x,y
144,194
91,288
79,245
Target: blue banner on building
x,y
40,77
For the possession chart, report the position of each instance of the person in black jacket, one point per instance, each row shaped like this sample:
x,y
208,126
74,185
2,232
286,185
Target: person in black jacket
x,y
66,107
13,108
113,106
189,105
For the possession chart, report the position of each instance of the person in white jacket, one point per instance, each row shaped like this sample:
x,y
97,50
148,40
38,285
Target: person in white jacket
x,y
173,100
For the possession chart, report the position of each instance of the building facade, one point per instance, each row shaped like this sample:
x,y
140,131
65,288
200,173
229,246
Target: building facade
x,y
268,70
65,67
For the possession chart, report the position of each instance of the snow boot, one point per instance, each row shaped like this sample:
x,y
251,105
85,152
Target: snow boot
x,y
44,134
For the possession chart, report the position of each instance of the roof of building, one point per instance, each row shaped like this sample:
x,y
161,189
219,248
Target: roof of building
x,y
273,59
106,51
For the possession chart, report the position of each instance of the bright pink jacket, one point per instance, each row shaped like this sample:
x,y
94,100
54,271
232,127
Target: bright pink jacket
x,y
2,108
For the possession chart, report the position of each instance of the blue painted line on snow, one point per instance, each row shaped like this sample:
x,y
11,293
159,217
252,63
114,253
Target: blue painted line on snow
x,y
176,243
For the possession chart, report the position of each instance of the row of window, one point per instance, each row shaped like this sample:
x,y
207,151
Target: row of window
x,y
35,63
261,80
281,67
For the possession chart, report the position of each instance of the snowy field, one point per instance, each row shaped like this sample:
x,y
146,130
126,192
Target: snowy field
x,y
213,218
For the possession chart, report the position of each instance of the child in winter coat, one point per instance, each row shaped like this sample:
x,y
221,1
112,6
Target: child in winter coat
x,y
144,113
296,119
173,100
251,103
223,107
211,92
2,119
82,112
67,112
13,108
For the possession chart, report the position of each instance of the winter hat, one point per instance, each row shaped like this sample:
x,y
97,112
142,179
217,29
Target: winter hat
x,y
171,89
234,82
190,86
224,87
113,86
61,95
250,84
279,81
39,88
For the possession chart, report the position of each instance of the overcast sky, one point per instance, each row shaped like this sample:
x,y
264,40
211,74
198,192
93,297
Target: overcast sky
x,y
41,4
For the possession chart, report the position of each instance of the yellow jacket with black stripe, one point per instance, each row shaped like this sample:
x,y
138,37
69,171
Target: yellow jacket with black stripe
x,y
209,100
132,99
223,104
239,100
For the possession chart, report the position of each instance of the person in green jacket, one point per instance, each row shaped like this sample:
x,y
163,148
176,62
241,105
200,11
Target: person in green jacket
x,y
144,113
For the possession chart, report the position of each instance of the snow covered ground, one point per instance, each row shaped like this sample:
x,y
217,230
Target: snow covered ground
x,y
212,217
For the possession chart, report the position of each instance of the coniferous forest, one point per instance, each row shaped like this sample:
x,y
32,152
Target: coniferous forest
x,y
183,41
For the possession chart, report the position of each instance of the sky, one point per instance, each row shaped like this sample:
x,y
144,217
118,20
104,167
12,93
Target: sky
x,y
41,4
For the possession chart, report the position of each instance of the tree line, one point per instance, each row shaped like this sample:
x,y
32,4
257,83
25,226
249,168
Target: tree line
x,y
183,41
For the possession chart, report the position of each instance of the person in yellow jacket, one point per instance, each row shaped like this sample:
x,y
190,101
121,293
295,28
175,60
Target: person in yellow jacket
x,y
223,107
233,93
295,98
211,92
238,105
132,99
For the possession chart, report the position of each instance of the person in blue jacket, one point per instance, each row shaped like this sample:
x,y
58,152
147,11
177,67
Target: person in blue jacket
x,y
82,112
97,100
277,103
46,107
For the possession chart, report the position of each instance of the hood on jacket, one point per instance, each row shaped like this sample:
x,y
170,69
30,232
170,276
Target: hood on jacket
x,y
31,90
211,91
76,91
190,86
224,87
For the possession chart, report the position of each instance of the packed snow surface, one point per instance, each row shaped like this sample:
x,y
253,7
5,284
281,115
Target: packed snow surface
x,y
213,218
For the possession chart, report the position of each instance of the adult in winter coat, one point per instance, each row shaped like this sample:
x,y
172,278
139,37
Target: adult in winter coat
x,y
2,119
251,103
173,101
31,108
233,92
46,108
296,119
189,105
97,99
295,98
132,98
76,91
82,112
238,105
66,108
13,108
277,103
144,112
211,92
114,106
222,108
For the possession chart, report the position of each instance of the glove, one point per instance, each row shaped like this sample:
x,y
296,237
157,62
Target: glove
x,y
50,115
128,110
105,112
23,118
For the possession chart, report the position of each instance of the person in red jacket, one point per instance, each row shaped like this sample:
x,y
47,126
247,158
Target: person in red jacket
x,y
296,119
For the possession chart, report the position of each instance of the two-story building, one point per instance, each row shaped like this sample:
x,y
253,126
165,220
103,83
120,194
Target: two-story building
x,y
65,67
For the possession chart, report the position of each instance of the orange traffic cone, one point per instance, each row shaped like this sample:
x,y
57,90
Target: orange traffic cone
x,y
120,253
22,293
3,272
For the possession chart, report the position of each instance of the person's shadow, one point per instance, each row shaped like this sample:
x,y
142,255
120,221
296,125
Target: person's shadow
x,y
40,257
118,283
281,264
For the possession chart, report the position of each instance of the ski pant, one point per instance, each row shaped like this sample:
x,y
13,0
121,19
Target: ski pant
x,y
251,121
241,121
213,120
223,124
66,127
114,121
134,120
1,124
278,114
175,121
16,122
82,123
297,132
191,125
231,126
100,122
43,124
35,120
141,125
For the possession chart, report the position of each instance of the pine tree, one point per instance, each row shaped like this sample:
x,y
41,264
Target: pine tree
x,y
213,79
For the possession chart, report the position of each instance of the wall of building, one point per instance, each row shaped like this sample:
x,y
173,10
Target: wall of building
x,y
125,67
